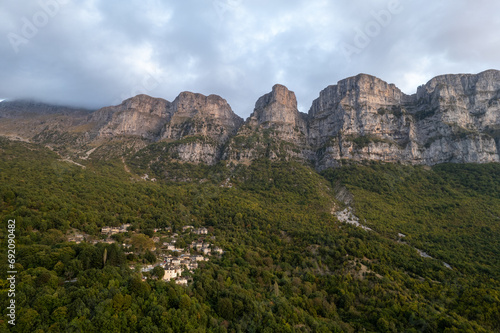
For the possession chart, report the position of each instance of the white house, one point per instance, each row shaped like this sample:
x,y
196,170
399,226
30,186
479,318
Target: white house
x,y
169,274
198,257
182,281
201,231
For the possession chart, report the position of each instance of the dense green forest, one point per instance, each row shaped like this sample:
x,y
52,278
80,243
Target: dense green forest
x,y
289,264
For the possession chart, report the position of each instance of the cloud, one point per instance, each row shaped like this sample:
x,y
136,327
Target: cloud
x,y
96,53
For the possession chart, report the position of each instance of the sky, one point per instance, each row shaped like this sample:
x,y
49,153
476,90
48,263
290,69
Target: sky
x,y
96,53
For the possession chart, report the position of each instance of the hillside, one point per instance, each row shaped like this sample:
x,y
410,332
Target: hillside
x,y
289,264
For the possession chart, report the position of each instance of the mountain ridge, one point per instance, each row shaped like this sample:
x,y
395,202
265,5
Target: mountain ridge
x,y
451,118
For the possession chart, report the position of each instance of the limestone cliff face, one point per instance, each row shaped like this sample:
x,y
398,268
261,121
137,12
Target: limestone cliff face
x,y
458,118
469,102
190,116
275,129
361,117
277,107
142,116
199,115
358,105
157,119
197,152
452,118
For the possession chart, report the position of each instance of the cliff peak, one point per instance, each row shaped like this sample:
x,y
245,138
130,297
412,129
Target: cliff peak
x,y
278,106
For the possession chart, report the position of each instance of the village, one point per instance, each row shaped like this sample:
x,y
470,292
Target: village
x,y
176,260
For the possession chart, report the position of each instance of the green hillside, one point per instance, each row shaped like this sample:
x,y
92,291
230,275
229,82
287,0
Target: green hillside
x,y
289,264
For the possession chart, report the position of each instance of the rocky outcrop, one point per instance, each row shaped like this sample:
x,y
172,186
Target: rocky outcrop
x,y
199,115
142,116
275,129
207,122
190,115
156,119
277,107
196,152
358,106
278,110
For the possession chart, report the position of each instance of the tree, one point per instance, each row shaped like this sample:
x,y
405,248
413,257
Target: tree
x,y
148,232
225,308
159,272
150,257
141,242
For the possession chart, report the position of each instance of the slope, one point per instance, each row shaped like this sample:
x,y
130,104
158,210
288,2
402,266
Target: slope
x,y
288,265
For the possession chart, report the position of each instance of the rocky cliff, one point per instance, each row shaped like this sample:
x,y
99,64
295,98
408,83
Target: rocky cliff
x,y
361,117
452,118
199,115
206,122
156,119
142,116
275,129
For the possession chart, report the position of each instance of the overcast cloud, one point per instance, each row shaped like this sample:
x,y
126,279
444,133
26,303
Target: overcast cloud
x,y
96,53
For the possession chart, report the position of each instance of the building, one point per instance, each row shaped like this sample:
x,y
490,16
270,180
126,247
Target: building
x,y
201,231
77,238
169,274
124,227
110,230
182,281
147,268
218,250
115,230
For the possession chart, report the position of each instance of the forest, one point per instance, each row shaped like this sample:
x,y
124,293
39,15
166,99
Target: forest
x,y
289,265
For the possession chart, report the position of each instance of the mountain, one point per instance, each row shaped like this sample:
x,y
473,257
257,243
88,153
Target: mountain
x,y
31,120
452,118
372,246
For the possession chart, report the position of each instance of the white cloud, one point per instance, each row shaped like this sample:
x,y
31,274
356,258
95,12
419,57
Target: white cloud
x,y
95,52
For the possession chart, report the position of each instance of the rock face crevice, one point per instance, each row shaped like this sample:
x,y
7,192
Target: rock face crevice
x,y
451,118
